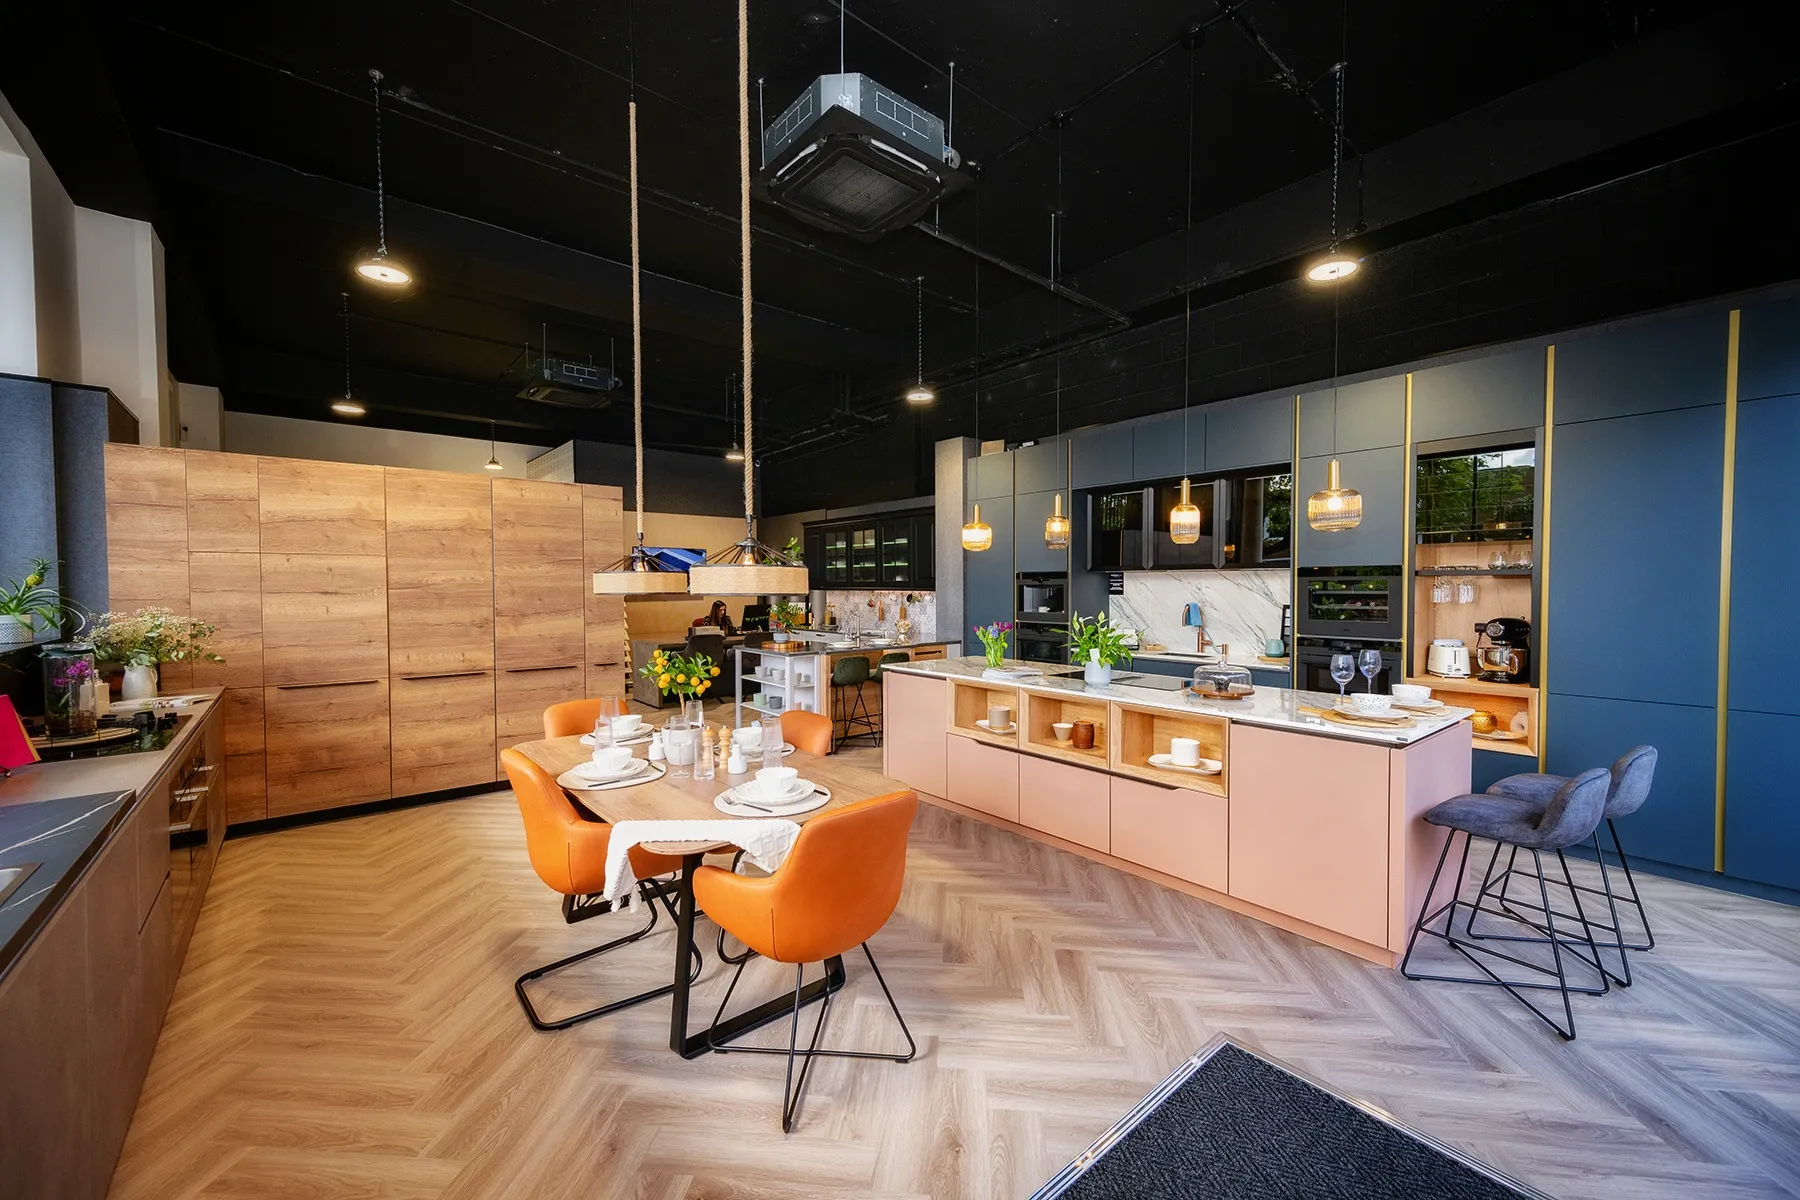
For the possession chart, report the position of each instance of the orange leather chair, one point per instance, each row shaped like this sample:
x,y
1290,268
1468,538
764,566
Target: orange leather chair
x,y
569,853
808,731
572,717
838,886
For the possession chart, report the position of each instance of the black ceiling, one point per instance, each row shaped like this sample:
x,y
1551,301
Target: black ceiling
x,y
246,133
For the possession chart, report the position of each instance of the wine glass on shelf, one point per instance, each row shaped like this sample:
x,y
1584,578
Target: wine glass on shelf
x,y
1343,670
1370,663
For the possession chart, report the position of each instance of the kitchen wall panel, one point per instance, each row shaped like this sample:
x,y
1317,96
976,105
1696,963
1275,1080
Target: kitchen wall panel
x,y
1481,395
991,477
1256,433
1667,364
1042,467
1765,569
1762,805
1101,456
1365,416
1157,446
1769,350
1380,475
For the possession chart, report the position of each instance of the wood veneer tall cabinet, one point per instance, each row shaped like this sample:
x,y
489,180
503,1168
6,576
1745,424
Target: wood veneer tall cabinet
x,y
602,542
540,590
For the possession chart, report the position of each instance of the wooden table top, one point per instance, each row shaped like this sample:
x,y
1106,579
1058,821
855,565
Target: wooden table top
x,y
674,798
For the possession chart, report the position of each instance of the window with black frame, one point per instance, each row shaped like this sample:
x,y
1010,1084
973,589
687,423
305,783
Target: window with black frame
x,y
1482,497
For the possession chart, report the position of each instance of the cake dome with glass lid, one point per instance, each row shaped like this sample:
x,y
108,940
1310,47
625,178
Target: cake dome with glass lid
x,y
1221,681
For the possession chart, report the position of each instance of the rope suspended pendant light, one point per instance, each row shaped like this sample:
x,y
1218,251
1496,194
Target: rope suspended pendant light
x,y
1056,525
347,405
748,568
639,573
1184,518
977,535
376,266
1336,508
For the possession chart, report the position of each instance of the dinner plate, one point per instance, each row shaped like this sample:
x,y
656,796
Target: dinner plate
x,y
1420,705
747,792
593,774
813,797
981,722
587,739
1350,710
1166,762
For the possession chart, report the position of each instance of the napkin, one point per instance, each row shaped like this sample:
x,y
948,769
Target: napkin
x,y
15,747
765,843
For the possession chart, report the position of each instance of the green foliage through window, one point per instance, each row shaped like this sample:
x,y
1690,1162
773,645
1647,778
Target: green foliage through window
x,y
1485,497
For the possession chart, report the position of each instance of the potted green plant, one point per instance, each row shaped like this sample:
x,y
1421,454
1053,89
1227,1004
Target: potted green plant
x,y
147,638
25,602
1097,644
785,615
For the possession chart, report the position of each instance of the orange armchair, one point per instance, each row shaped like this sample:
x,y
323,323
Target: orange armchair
x,y
808,731
839,885
568,852
573,717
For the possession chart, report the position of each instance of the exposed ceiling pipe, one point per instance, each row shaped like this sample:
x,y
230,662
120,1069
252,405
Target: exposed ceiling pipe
x,y
1055,288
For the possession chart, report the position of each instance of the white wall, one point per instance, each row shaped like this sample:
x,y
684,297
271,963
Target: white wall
x,y
347,441
124,340
39,318
198,414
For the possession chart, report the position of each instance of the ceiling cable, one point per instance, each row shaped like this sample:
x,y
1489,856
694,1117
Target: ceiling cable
x,y
380,182
1187,272
346,307
743,15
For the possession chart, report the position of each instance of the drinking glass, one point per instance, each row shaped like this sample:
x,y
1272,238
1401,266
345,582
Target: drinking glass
x,y
1442,591
1370,663
1343,670
678,745
771,740
704,750
1465,592
611,707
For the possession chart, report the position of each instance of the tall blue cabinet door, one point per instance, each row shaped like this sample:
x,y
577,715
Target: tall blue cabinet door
x,y
1762,798
1043,467
1765,567
1482,395
1157,446
988,576
1256,434
1030,510
990,476
1676,823
1365,415
1634,556
1769,350
1380,475
1674,362
1101,456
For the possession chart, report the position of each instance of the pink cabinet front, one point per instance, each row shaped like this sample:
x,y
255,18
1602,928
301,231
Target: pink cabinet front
x,y
1065,801
1309,829
984,778
1177,831
914,741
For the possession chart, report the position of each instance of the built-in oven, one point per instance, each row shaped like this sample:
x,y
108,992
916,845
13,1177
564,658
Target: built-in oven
x,y
1363,603
1312,664
1042,598
1041,643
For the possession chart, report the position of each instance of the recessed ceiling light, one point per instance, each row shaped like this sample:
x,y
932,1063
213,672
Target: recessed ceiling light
x,y
347,408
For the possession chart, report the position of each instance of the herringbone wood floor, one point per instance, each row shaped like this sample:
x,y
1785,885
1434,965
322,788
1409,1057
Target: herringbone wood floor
x,y
345,1026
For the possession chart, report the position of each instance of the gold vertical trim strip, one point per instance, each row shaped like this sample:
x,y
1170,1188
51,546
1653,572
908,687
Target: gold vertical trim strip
x,y
1294,555
1411,642
1543,638
1725,516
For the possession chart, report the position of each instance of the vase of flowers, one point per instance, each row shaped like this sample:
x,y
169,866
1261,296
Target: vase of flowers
x,y
26,603
145,639
1097,644
70,706
993,640
785,615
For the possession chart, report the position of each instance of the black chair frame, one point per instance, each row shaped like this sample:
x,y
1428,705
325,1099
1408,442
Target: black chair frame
x,y
581,908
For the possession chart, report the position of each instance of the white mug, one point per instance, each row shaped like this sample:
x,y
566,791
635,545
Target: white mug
x,y
999,717
1185,751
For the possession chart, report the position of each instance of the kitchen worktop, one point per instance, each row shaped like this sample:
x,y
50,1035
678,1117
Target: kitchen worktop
x,y
1275,708
110,773
807,649
1248,664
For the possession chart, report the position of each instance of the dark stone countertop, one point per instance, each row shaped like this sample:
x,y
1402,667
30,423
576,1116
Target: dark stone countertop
x,y
61,836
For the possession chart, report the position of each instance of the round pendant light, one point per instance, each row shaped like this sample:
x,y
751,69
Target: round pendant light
x,y
348,408
1337,507
1184,519
977,535
493,463
918,393
1329,268
1337,263
377,265
347,405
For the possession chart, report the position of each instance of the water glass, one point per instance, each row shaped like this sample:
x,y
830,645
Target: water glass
x,y
678,744
1343,670
771,740
704,751
1465,591
1370,662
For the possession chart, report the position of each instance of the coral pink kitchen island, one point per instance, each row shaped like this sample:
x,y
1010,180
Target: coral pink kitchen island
x,y
1313,826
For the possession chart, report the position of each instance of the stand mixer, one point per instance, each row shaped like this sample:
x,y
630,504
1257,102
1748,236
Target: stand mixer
x,y
1506,656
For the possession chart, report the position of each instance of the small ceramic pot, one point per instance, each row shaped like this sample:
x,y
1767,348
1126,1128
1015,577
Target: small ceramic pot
x,y
140,683
1083,735
1095,675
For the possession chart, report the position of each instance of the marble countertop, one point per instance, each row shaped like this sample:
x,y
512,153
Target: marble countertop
x,y
1249,664
1275,708
807,649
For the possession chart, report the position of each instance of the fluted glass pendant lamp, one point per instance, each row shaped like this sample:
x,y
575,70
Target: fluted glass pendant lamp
x,y
1056,525
977,535
377,265
639,573
1337,507
1184,518
747,568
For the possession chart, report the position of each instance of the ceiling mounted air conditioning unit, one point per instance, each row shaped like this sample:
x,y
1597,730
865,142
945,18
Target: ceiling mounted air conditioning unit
x,y
568,383
855,157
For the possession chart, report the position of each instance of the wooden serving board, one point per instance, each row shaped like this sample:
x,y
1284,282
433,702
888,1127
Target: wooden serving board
x,y
1345,719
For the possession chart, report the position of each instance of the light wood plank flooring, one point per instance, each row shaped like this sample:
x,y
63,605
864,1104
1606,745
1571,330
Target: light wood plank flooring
x,y
345,1026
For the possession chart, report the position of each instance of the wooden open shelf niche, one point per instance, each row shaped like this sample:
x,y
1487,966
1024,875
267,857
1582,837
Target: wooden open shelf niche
x,y
969,701
1043,711
1507,595
1140,732
1504,700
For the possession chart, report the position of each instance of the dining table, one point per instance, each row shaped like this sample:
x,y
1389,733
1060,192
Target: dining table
x,y
678,796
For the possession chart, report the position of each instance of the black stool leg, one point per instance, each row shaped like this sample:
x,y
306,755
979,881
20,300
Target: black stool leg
x,y
1649,942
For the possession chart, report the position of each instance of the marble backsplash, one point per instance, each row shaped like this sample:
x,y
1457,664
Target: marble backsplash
x,y
866,611
1240,608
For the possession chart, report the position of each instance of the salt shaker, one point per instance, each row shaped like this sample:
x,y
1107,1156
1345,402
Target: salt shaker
x,y
657,752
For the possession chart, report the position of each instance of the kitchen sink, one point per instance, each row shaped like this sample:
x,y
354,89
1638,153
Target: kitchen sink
x,y
12,877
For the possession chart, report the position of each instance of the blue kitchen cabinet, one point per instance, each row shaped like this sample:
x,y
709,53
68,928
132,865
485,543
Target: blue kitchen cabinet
x,y
1660,365
1259,433
27,475
1764,578
1634,556
1043,467
1271,677
1029,552
1101,456
991,476
1769,350
1162,666
1365,416
988,576
1157,447
1762,799
1676,823
1380,475
1481,395
1487,767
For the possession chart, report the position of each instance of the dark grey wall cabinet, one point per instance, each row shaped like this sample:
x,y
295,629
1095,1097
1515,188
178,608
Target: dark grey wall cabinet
x,y
1769,350
28,477
1043,467
988,576
1259,433
1380,475
990,476
1029,552
1157,446
1644,368
1482,395
84,422
1366,416
1102,456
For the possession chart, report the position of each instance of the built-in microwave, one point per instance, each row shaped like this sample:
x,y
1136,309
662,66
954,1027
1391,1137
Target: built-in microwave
x,y
1043,599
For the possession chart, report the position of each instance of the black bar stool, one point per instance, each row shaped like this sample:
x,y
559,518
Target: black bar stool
x,y
851,673
1569,819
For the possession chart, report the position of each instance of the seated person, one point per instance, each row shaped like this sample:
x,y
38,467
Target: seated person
x,y
719,617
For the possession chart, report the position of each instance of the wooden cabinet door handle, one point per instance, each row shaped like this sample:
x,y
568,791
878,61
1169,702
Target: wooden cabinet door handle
x,y
524,670
298,687
444,675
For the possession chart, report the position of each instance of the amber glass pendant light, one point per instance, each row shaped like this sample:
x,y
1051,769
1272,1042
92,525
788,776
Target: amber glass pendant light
x,y
1184,518
977,535
1056,525
1337,507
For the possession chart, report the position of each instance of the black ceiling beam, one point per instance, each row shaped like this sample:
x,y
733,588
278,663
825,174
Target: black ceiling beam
x,y
670,304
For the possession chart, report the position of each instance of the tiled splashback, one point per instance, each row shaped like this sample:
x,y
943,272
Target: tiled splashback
x,y
1240,608
855,614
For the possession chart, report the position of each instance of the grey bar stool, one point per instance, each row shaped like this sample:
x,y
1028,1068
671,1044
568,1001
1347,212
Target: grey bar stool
x,y
1630,787
1569,819
851,673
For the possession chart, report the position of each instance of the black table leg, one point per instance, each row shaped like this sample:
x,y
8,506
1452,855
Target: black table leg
x,y
695,1045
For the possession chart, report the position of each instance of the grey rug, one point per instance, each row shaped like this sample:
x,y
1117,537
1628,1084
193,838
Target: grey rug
x,y
1230,1125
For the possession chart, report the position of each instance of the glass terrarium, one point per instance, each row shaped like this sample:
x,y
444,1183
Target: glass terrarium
x,y
1221,682
70,684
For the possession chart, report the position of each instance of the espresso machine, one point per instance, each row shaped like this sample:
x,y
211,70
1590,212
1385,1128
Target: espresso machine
x,y
1503,650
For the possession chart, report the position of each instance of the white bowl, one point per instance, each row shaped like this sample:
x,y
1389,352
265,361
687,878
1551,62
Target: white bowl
x,y
774,781
628,724
1374,704
1064,730
612,759
1410,693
